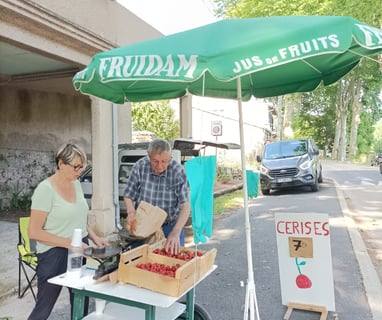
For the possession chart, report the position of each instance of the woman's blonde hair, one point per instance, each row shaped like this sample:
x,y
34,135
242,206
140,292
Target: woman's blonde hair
x,y
68,152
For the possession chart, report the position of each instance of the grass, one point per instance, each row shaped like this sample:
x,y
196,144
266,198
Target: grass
x,y
225,203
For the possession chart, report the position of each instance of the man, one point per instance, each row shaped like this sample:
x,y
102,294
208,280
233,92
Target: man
x,y
161,181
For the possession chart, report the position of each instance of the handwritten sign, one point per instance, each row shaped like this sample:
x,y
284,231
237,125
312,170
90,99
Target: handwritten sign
x,y
305,263
300,247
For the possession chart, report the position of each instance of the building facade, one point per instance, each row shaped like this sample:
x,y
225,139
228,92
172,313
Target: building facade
x,y
43,44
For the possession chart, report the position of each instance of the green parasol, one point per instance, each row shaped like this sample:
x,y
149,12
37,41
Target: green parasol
x,y
233,59
272,56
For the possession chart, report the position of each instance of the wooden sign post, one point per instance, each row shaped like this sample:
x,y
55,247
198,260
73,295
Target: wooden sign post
x,y
305,263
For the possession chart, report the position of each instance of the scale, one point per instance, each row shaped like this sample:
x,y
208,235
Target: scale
x,y
108,257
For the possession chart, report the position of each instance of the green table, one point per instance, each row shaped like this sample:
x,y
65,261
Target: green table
x,y
151,305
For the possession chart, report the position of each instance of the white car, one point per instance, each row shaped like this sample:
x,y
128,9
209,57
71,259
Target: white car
x,y
183,150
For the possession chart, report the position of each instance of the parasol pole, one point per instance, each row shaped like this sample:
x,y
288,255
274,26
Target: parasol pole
x,y
115,167
250,306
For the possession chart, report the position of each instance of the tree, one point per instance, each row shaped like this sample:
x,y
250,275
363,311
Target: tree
x,y
315,118
378,137
353,90
267,8
362,82
366,132
157,117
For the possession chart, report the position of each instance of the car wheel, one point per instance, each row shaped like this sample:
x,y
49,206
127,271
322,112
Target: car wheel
x,y
315,186
320,180
265,192
380,169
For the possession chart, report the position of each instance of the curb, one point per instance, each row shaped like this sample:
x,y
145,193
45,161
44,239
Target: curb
x,y
371,282
230,189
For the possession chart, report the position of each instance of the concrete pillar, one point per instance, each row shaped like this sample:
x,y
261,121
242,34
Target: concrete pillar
x,y
185,116
125,131
102,214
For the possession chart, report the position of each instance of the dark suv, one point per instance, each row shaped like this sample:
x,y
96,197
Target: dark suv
x,y
290,163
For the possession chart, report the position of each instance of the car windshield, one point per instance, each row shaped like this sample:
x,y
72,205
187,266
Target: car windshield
x,y
285,149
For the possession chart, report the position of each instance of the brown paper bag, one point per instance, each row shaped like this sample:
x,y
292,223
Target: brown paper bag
x,y
149,219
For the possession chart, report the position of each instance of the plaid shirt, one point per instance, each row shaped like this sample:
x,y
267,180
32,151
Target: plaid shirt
x,y
167,191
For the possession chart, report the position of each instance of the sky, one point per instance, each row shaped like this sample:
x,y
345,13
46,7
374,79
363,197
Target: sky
x,y
171,16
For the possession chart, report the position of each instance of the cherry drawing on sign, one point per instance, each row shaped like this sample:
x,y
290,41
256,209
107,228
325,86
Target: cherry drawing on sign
x,y
302,280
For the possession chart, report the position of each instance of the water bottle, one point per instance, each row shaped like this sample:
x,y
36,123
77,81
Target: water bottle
x,y
75,256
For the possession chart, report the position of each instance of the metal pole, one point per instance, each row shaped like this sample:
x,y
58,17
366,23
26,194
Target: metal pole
x,y
115,167
279,118
251,307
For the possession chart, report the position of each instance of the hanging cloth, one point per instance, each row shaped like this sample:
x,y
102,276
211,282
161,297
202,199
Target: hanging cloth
x,y
201,173
252,183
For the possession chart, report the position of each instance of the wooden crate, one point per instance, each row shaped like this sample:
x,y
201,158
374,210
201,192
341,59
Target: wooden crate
x,y
202,264
188,273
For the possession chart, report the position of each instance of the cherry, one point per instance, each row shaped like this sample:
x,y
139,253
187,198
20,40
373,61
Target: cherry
x,y
303,282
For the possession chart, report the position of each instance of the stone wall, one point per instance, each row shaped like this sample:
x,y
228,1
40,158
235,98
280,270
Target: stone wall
x,y
33,126
20,172
43,121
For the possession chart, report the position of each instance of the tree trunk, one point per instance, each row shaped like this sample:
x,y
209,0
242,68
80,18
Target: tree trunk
x,y
340,140
343,139
355,121
292,103
337,136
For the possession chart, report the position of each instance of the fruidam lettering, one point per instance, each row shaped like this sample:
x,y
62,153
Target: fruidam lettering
x,y
146,66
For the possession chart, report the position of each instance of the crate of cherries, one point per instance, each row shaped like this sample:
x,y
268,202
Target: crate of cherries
x,y
155,269
183,254
160,268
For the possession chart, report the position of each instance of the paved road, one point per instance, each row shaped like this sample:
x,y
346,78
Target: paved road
x,y
362,190
222,293
350,297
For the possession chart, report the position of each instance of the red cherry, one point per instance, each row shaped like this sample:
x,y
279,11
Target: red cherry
x,y
303,282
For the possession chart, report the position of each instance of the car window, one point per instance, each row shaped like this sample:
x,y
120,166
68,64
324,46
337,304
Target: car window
x,y
86,175
285,149
124,172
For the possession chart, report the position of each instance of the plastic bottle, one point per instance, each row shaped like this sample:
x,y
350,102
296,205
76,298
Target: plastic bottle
x,y
75,255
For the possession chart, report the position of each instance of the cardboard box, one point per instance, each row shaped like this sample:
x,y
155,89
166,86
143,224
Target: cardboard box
x,y
186,276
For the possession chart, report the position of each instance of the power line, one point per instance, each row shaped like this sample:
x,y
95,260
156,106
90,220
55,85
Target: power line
x,y
232,119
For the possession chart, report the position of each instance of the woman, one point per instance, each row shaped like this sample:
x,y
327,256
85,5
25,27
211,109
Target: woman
x,y
58,207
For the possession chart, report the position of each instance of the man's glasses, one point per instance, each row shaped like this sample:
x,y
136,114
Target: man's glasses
x,y
159,162
76,167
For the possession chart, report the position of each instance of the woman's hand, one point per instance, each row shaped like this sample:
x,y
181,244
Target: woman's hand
x,y
98,241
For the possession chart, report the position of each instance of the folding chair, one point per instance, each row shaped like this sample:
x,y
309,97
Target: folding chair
x,y
27,257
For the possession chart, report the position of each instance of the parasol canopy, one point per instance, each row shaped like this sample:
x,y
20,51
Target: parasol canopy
x,y
272,56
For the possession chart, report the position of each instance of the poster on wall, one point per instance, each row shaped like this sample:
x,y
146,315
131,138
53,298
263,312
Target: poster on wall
x,y
305,260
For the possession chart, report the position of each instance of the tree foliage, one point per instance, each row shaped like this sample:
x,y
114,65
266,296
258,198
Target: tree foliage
x,y
267,8
377,144
157,117
338,110
315,118
369,11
